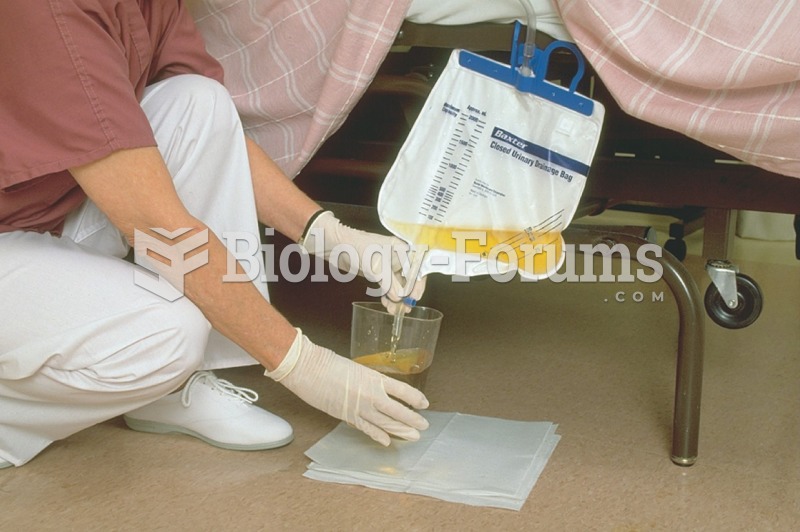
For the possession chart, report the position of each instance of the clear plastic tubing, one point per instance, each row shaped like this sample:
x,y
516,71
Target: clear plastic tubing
x,y
397,327
530,38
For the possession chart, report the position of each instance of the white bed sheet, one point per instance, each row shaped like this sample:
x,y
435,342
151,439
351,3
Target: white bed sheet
x,y
455,12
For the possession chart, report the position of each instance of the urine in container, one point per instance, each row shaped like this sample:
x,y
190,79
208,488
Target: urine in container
x,y
407,365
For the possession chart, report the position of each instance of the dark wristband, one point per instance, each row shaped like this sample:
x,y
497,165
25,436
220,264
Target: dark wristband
x,y
309,224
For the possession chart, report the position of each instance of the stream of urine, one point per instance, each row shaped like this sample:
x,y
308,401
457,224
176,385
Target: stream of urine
x,y
397,328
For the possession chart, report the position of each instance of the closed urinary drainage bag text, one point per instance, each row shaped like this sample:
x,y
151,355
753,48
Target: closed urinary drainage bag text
x,y
490,175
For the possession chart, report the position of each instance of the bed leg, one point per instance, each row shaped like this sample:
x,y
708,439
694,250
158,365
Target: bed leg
x,y
719,230
689,372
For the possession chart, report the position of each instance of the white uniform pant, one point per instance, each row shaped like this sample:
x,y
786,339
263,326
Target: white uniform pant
x,y
80,343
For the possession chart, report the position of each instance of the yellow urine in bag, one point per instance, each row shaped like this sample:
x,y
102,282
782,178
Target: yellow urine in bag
x,y
534,251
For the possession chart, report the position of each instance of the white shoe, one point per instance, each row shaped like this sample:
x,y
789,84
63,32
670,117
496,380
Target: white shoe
x,y
5,463
215,411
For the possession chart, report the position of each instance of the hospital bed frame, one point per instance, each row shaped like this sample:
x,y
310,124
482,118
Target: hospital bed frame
x,y
636,163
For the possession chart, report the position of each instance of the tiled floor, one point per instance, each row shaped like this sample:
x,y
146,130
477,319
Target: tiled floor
x,y
603,370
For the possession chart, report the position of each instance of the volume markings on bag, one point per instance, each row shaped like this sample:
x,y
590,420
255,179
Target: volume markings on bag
x,y
455,160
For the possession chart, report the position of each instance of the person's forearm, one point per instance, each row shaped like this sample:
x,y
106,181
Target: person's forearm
x,y
280,204
134,189
238,310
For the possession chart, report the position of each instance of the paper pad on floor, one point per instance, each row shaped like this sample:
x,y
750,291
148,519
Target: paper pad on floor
x,y
474,460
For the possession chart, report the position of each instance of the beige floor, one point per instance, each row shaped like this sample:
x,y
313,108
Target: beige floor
x,y
541,351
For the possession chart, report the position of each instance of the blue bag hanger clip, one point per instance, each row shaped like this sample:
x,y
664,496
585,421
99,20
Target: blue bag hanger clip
x,y
536,82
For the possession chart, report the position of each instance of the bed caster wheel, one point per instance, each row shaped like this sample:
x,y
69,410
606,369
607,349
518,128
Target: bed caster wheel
x,y
676,247
746,305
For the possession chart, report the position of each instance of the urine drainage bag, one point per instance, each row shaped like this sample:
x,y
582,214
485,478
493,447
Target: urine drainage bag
x,y
493,168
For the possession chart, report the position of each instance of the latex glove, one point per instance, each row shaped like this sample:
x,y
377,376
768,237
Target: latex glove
x,y
327,233
356,394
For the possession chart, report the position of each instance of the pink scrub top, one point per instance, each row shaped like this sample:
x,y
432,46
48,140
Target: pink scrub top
x,y
73,73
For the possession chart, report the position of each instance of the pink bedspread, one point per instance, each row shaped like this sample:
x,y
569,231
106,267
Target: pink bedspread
x,y
296,68
724,72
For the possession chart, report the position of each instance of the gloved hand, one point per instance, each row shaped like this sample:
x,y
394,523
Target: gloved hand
x,y
356,394
327,232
